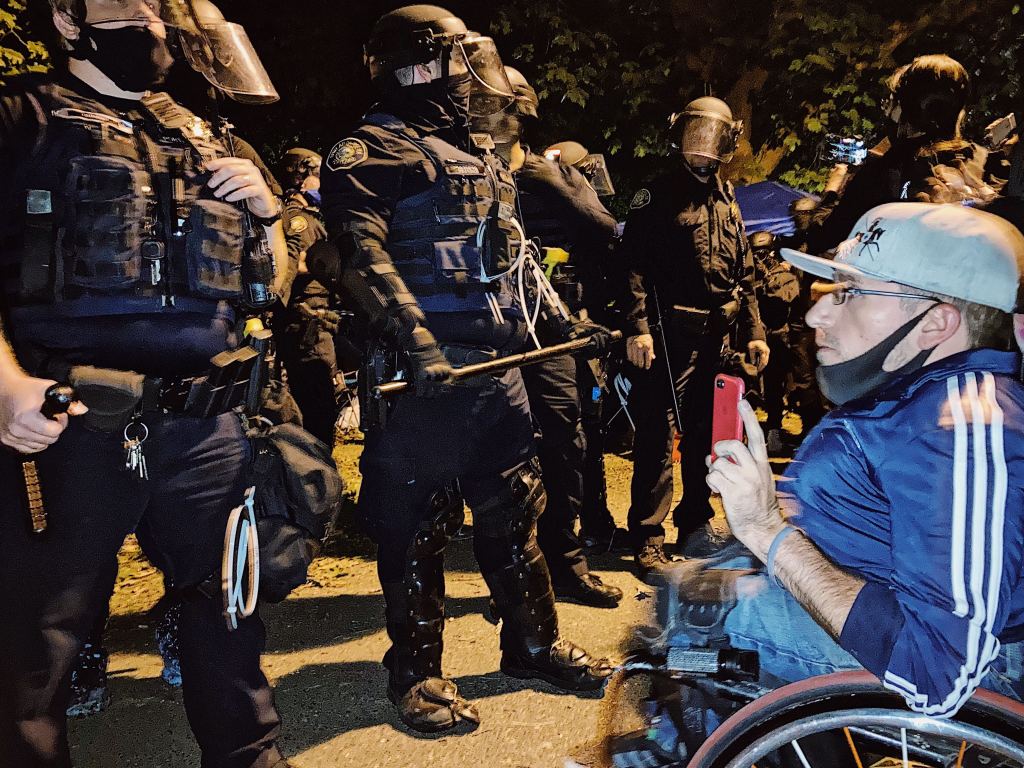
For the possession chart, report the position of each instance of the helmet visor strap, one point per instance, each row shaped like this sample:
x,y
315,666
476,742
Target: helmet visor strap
x,y
492,92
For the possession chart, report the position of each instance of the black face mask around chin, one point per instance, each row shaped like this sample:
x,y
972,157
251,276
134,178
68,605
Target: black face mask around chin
x,y
458,90
851,380
438,102
134,58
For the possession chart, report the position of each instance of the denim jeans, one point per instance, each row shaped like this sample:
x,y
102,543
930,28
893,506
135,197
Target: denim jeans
x,y
793,647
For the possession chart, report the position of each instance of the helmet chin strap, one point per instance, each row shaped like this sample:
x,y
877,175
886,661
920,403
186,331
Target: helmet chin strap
x,y
703,172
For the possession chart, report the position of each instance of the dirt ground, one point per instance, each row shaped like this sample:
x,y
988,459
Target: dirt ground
x,y
323,657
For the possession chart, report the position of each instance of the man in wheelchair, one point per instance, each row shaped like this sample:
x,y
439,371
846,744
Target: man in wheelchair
x,y
895,542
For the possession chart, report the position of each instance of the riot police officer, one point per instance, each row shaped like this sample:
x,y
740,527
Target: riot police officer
x,y
123,218
307,327
561,211
691,283
425,236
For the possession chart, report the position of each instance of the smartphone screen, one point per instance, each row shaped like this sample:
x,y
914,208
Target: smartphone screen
x,y
726,423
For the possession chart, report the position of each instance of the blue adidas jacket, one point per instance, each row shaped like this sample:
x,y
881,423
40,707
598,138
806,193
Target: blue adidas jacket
x,y
919,489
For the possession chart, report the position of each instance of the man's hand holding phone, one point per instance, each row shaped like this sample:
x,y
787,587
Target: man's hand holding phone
x,y
743,476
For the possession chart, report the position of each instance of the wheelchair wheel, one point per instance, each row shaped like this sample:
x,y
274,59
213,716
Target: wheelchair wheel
x,y
848,718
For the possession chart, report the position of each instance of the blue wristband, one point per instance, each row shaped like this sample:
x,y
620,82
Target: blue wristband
x,y
773,550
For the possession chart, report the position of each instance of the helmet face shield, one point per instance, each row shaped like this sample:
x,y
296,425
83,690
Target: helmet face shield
x,y
709,135
491,91
232,64
595,169
221,52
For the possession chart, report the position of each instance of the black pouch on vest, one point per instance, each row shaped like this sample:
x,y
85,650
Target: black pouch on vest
x,y
298,490
104,233
214,248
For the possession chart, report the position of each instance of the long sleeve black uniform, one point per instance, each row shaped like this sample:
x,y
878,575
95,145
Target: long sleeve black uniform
x,y
686,238
562,210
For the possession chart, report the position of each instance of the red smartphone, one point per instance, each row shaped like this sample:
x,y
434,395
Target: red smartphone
x,y
726,423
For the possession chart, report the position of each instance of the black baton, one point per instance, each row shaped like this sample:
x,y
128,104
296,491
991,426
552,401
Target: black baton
x,y
58,399
501,364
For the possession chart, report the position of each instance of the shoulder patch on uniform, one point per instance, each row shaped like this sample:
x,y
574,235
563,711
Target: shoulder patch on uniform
x,y
298,224
347,153
640,199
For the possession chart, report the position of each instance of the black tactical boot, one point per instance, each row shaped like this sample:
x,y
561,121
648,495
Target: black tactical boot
x,y
587,589
415,622
505,544
650,558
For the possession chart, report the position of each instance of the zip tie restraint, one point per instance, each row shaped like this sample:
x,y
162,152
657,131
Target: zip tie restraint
x,y
241,557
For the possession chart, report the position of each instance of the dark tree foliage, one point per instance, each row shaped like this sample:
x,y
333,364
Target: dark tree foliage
x,y
610,72
21,52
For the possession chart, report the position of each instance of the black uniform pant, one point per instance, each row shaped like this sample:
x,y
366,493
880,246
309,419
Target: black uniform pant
x,y
478,435
694,364
775,376
555,405
595,517
307,351
55,585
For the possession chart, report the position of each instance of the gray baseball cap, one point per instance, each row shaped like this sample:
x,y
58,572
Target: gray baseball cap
x,y
949,249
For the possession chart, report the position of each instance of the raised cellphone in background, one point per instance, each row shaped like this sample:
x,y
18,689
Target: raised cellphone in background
x,y
726,423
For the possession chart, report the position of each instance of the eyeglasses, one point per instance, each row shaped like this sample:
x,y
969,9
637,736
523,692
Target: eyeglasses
x,y
842,291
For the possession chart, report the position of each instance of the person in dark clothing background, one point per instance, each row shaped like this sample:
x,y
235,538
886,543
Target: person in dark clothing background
x,y
560,210
923,158
691,280
307,326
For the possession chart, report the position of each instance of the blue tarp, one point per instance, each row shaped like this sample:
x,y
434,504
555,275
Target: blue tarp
x,y
765,207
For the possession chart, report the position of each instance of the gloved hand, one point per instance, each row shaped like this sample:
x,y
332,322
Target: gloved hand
x,y
329,320
600,337
431,372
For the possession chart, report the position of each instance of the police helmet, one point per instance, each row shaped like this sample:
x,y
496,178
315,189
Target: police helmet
x,y
415,34
708,129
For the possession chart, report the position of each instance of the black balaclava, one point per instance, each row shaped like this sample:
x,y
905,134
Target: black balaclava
x,y
133,57
861,376
440,104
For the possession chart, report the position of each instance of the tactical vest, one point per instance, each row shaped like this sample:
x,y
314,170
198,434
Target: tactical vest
x,y
448,240
115,216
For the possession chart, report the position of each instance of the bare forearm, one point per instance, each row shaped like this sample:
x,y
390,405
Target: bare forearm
x,y
825,590
9,367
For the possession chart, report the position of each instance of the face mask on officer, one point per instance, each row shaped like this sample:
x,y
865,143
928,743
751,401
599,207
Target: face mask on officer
x,y
468,78
128,45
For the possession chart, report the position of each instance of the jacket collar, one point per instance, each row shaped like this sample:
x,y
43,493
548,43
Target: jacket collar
x,y
991,360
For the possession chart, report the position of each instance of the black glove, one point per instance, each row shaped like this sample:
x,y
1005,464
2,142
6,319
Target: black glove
x,y
431,371
328,319
600,337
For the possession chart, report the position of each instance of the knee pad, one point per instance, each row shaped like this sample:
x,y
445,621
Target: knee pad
x,y
516,507
444,517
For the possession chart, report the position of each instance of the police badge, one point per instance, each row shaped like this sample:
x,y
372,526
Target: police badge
x,y
346,154
640,199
